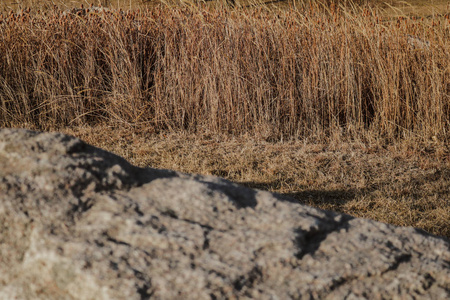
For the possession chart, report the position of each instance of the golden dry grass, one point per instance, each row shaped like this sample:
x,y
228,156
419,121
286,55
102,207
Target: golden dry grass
x,y
298,72
343,108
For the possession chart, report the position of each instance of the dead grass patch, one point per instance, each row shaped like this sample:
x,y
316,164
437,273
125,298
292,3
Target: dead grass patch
x,y
405,186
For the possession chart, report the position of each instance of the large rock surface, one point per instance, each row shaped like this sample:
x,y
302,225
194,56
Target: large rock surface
x,y
77,222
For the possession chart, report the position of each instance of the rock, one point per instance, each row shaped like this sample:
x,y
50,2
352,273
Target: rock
x,y
77,222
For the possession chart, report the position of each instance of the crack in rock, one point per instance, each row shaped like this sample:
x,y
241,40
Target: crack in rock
x,y
309,241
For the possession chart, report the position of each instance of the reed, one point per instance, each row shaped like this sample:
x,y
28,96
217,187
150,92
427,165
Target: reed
x,y
307,71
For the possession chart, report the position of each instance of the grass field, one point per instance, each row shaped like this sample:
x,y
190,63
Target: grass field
x,y
343,107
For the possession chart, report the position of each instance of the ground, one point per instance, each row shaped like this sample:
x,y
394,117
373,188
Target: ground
x,y
405,184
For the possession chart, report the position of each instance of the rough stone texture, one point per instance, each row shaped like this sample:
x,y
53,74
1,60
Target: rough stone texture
x,y
77,222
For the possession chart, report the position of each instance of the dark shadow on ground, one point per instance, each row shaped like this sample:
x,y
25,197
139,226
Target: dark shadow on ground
x,y
312,196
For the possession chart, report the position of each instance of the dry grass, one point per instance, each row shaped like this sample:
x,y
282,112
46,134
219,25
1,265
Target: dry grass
x,y
296,73
402,184
341,108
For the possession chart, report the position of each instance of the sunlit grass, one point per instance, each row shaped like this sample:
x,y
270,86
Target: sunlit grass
x,y
302,72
